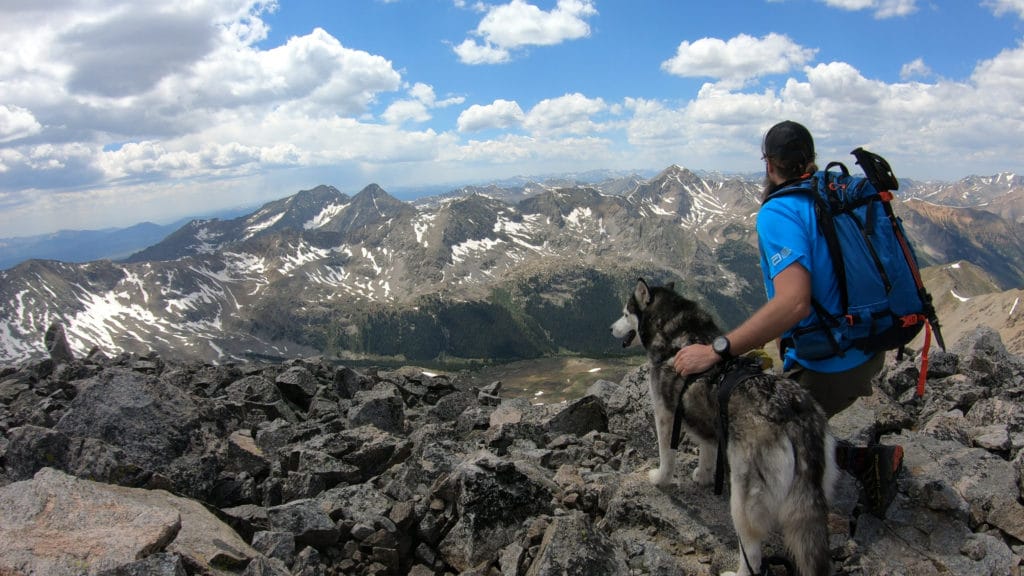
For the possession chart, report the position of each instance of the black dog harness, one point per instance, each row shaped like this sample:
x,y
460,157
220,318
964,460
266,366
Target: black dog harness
x,y
730,375
733,373
736,371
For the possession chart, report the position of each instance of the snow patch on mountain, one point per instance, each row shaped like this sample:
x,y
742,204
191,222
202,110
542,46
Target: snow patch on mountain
x,y
333,276
261,225
303,254
522,233
579,216
11,345
421,225
463,251
325,216
195,299
368,255
706,207
207,241
105,315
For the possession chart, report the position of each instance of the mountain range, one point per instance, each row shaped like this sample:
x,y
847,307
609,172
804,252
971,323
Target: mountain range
x,y
477,275
88,245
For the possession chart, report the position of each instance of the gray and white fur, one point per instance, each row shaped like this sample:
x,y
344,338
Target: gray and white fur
x,y
780,453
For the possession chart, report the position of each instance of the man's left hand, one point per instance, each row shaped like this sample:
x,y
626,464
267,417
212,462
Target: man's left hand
x,y
694,359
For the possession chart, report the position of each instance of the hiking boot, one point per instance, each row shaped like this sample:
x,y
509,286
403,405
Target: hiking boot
x,y
878,478
875,467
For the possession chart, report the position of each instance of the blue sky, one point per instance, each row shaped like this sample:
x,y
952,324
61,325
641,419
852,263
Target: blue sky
x,y
114,112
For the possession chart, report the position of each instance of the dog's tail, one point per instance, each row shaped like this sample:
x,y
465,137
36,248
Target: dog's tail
x,y
805,534
805,515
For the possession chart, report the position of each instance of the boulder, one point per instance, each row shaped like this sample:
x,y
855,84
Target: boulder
x,y
298,385
57,524
986,483
150,420
310,525
56,342
347,382
572,545
485,500
923,542
381,407
587,414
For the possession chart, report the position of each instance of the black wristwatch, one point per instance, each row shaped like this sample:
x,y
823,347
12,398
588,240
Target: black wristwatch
x,y
721,347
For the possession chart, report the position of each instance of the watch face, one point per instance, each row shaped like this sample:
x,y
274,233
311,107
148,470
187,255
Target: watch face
x,y
720,344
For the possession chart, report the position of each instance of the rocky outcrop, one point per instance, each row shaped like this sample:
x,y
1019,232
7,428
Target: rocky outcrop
x,y
130,465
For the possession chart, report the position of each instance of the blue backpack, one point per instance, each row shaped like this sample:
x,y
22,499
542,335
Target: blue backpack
x,y
883,302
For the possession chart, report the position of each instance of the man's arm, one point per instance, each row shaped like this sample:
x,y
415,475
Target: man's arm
x,y
791,303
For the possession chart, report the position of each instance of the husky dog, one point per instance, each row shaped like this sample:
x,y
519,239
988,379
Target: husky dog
x,y
779,450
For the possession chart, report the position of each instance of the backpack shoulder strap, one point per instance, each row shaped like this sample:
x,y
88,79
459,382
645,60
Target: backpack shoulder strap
x,y
824,196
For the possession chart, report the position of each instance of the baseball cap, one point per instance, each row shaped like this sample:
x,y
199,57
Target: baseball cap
x,y
788,140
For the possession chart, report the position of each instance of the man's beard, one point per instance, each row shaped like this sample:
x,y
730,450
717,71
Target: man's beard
x,y
767,187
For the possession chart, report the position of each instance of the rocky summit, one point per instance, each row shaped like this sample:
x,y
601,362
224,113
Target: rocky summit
x,y
130,465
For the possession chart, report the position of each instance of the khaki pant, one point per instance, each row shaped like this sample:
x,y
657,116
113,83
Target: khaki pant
x,y
836,391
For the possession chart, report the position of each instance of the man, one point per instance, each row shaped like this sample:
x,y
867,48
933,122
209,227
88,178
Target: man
x,y
795,266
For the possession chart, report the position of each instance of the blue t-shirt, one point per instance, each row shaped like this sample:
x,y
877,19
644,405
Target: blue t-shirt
x,y
787,233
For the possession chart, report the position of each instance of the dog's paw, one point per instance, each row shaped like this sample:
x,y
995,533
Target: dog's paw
x,y
703,476
659,477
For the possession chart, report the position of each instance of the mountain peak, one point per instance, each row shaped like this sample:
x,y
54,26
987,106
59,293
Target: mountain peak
x,y
320,194
372,190
677,172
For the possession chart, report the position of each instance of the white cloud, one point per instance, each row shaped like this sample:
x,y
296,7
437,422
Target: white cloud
x,y
144,52
895,8
1002,79
314,69
507,27
469,52
923,128
915,69
144,82
498,114
738,59
17,122
883,8
416,108
568,114
1001,7
851,4
406,111
423,93
542,153
520,24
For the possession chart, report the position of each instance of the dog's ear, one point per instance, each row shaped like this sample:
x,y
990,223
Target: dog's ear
x,y
642,293
671,286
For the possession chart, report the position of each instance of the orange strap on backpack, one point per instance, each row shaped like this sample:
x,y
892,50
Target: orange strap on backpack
x,y
908,321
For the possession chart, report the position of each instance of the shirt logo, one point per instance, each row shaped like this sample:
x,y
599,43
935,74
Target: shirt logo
x,y
779,256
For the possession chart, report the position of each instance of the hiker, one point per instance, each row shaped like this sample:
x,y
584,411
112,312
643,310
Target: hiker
x,y
796,266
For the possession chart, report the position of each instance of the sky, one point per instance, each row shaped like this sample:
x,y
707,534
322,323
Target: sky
x,y
114,112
